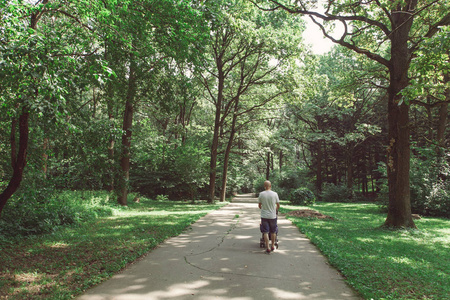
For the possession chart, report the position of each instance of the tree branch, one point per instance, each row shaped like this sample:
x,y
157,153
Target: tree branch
x,y
72,17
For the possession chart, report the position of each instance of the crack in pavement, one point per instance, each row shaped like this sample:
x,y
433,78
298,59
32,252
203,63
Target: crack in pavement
x,y
232,227
236,274
236,220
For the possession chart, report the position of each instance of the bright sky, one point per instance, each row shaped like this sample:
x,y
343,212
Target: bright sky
x,y
314,37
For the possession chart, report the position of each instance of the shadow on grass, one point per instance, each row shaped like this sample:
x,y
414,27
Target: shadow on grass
x,y
72,259
381,263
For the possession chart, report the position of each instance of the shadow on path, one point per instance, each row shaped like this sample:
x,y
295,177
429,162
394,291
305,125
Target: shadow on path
x,y
219,258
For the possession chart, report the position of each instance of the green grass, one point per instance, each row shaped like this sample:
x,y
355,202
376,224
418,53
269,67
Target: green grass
x,y
380,263
72,259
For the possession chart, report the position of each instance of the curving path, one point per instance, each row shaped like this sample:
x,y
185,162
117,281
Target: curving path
x,y
219,258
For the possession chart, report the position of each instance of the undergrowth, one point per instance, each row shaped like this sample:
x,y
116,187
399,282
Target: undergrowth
x,y
70,259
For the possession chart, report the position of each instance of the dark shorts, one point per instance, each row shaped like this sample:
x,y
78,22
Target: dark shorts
x,y
268,225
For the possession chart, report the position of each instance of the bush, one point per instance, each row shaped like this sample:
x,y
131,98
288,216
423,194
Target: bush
x,y
430,190
302,196
37,212
258,185
180,173
437,202
288,181
337,193
429,184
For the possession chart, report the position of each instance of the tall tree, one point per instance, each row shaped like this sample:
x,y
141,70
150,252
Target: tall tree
x,y
388,33
147,33
36,55
248,49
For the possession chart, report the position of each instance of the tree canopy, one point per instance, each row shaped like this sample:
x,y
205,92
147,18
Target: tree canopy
x,y
204,99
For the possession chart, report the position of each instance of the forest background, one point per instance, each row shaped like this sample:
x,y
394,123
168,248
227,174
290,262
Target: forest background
x,y
188,100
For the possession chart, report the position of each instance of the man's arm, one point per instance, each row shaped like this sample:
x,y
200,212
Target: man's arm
x,y
259,205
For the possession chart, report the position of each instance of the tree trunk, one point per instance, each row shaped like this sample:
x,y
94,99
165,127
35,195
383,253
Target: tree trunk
x,y
126,136
319,177
20,160
349,160
45,158
443,115
217,128
281,161
111,143
227,155
271,161
110,176
268,166
429,120
398,151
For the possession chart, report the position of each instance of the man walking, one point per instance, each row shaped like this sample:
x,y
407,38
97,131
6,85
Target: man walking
x,y
269,203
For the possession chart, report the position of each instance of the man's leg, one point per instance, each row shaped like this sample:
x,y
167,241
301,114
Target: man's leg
x,y
273,236
265,229
266,240
273,232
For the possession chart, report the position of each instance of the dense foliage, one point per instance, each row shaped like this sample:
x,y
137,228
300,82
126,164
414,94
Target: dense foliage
x,y
302,196
107,104
190,100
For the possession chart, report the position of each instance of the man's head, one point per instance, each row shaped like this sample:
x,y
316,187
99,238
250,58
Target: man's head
x,y
267,185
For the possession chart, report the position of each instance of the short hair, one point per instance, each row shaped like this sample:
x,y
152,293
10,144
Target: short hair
x,y
267,184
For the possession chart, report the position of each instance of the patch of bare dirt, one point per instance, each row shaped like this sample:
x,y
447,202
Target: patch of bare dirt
x,y
308,213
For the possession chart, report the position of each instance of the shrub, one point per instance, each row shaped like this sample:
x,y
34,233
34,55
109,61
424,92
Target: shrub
x,y
336,193
286,182
178,172
429,184
437,202
162,198
302,196
37,212
258,185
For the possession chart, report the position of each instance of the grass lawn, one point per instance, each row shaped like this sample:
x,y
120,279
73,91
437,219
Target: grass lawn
x,y
72,259
381,263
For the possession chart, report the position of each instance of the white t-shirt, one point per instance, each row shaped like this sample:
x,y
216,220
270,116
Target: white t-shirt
x,y
268,200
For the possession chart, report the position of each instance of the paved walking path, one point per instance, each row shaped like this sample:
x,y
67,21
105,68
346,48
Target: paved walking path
x,y
220,258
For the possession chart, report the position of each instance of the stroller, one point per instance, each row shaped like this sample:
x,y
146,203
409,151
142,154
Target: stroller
x,y
262,244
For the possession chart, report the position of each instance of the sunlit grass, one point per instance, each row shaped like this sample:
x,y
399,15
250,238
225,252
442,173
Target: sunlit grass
x,y
380,263
72,259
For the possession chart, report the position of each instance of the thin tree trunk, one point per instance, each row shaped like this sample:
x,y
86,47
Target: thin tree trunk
x,y
94,102
126,137
217,128
45,157
271,161
213,161
111,143
227,154
349,160
319,177
110,176
268,166
429,120
281,160
443,115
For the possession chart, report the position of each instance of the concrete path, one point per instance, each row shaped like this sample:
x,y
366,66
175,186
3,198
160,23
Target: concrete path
x,y
219,258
